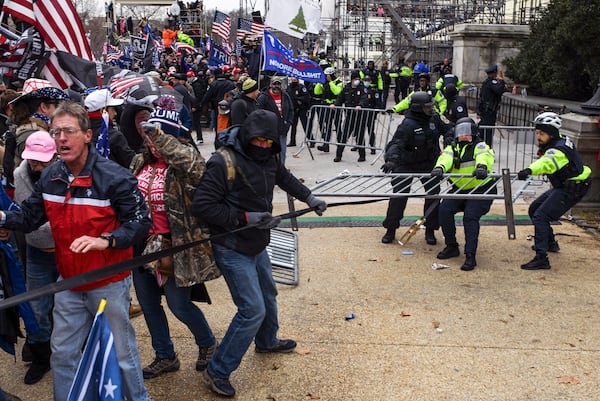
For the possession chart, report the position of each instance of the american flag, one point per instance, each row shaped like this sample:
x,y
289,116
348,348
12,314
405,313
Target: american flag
x,y
221,25
60,26
184,46
249,27
113,53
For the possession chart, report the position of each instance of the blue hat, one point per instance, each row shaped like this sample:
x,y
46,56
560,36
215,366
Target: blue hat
x,y
492,69
167,116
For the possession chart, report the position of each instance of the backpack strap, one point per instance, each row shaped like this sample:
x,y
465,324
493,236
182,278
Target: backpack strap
x,y
229,159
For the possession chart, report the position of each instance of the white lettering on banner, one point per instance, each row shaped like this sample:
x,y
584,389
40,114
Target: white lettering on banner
x,y
290,70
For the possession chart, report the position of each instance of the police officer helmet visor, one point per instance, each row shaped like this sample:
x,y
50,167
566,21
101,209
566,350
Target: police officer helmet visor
x,y
428,108
463,129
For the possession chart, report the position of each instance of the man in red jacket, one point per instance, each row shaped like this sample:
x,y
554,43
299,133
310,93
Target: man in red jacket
x,y
96,212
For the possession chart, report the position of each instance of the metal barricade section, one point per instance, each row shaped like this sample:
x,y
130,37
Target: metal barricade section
x,y
367,129
283,252
500,186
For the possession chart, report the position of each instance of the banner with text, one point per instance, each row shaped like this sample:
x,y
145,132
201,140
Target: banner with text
x,y
280,59
218,56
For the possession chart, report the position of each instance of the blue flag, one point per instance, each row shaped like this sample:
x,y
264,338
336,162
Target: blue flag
x,y
218,56
98,376
103,144
280,59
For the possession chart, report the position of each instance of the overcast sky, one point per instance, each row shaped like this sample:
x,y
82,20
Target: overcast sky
x,y
228,5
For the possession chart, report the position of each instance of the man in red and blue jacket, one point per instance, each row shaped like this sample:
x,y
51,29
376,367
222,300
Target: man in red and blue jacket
x,y
96,212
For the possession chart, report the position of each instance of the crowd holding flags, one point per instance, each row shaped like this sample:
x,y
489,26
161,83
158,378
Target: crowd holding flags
x,y
248,27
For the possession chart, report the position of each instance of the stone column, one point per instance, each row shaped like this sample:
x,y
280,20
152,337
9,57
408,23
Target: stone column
x,y
478,46
585,134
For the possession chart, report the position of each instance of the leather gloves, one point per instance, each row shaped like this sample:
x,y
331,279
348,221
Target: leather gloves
x,y
437,172
262,220
389,111
448,141
319,204
388,167
523,174
480,172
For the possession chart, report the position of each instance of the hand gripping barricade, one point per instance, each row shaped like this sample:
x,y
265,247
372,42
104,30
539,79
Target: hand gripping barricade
x,y
362,128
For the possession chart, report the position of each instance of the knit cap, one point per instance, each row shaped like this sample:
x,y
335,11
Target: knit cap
x,y
166,115
249,85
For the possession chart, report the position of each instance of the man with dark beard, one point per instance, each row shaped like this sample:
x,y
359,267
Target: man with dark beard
x,y
39,153
228,203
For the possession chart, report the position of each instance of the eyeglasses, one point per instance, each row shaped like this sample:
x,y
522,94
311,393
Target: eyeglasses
x,y
68,131
263,139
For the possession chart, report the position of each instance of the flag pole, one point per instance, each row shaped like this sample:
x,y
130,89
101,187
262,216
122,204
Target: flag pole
x,y
102,305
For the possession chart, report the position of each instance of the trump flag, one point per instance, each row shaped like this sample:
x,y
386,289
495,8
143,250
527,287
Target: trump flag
x,y
98,376
280,59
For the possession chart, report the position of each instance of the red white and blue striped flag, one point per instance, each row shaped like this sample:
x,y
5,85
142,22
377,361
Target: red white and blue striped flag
x,y
60,27
250,28
221,25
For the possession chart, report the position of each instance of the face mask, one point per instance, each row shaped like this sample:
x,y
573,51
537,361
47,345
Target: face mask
x,y
356,82
259,155
367,84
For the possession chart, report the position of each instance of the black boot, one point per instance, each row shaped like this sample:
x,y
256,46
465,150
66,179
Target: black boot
x,y
41,362
292,143
26,354
324,148
470,262
430,236
540,262
450,251
389,236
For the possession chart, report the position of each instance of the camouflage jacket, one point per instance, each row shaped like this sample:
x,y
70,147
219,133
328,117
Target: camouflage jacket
x,y
185,168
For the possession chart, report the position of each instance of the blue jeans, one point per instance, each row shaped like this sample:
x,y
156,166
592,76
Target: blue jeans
x,y
41,270
149,294
548,207
74,313
473,210
253,290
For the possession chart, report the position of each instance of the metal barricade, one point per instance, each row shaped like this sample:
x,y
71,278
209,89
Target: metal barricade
x,y
514,147
367,129
414,185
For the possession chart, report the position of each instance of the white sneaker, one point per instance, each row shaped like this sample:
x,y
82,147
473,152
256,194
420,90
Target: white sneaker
x,y
199,142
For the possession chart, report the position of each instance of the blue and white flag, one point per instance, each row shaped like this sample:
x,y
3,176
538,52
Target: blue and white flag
x,y
98,376
280,59
103,143
218,57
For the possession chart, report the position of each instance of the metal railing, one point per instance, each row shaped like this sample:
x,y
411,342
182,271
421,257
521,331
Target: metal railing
x,y
365,129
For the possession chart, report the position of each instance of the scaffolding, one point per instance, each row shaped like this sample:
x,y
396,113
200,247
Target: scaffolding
x,y
362,30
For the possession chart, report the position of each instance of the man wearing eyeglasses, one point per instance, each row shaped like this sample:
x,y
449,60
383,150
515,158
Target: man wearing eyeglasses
x,y
228,203
96,212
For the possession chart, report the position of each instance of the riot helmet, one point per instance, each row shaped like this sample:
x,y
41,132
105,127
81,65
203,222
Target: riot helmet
x,y
421,102
465,126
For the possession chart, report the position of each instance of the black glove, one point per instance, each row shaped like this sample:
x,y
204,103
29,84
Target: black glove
x,y
389,111
388,167
480,172
262,220
437,172
448,141
523,174
319,204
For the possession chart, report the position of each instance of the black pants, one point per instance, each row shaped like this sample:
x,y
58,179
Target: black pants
x,y
396,206
354,126
487,134
299,114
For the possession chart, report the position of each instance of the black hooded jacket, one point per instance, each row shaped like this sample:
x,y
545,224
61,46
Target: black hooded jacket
x,y
222,205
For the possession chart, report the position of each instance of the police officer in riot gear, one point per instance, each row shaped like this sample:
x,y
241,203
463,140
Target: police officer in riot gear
x,y
328,92
570,180
353,96
457,105
489,102
414,149
468,155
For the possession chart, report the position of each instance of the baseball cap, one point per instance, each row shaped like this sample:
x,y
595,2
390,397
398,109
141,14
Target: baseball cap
x,y
99,99
39,146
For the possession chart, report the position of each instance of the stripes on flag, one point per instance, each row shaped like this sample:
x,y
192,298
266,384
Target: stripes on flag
x,y
249,27
221,25
60,27
185,47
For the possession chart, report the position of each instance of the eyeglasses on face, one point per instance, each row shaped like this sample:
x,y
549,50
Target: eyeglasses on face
x,y
263,139
68,131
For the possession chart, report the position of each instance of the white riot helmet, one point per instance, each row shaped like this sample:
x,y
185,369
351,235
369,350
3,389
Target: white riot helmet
x,y
549,122
329,71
